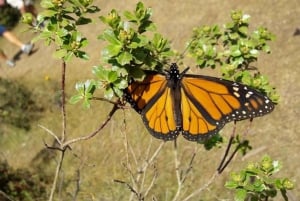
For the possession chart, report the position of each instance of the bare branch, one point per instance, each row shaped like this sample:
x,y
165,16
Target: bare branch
x,y
58,168
63,101
138,195
210,181
5,195
177,170
152,182
92,134
51,133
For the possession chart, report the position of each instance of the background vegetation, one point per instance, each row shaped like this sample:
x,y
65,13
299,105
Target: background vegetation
x,y
101,159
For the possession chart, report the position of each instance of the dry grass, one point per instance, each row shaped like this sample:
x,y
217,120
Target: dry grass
x,y
101,159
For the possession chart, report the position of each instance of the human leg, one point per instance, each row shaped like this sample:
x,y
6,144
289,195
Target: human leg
x,y
3,56
26,48
12,38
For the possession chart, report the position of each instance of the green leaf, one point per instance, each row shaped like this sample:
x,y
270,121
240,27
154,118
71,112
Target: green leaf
x,y
100,72
109,93
235,51
130,16
110,51
112,76
76,98
243,30
68,56
47,4
121,84
258,186
48,13
240,195
110,37
231,184
60,53
124,58
136,73
83,21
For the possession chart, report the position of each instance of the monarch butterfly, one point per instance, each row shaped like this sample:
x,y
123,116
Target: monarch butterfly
x,y
198,106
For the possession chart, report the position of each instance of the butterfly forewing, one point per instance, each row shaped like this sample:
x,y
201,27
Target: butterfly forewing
x,y
152,99
218,101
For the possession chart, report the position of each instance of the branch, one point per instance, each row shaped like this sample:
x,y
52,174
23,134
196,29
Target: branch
x,y
181,176
138,195
92,134
58,168
51,133
63,101
178,175
203,187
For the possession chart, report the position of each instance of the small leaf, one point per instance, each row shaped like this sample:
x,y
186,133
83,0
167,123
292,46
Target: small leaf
x,y
231,184
76,98
124,58
60,53
136,73
112,76
109,93
243,30
48,13
83,21
47,4
240,195
110,51
109,36
130,16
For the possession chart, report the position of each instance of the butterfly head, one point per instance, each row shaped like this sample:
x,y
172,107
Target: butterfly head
x,y
174,74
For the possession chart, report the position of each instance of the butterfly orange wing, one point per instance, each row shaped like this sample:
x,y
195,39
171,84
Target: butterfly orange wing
x,y
154,101
207,103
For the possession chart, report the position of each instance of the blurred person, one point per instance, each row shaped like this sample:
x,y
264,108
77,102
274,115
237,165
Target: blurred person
x,y
25,47
23,6
3,56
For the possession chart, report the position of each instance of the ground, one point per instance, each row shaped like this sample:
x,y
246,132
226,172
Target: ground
x,y
276,134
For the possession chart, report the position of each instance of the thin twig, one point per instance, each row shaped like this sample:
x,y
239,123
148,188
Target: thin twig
x,y
63,101
51,133
152,182
58,168
223,165
92,134
188,170
177,170
143,168
230,158
154,155
225,154
145,172
220,168
5,195
202,188
138,195
77,189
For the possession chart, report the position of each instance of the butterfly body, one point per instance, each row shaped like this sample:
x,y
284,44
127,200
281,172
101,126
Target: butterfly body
x,y
195,105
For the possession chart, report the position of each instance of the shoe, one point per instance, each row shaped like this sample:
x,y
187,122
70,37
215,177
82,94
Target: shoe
x,y
27,48
10,63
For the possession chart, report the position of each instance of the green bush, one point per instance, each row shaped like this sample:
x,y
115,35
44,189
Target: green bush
x,y
20,184
17,107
